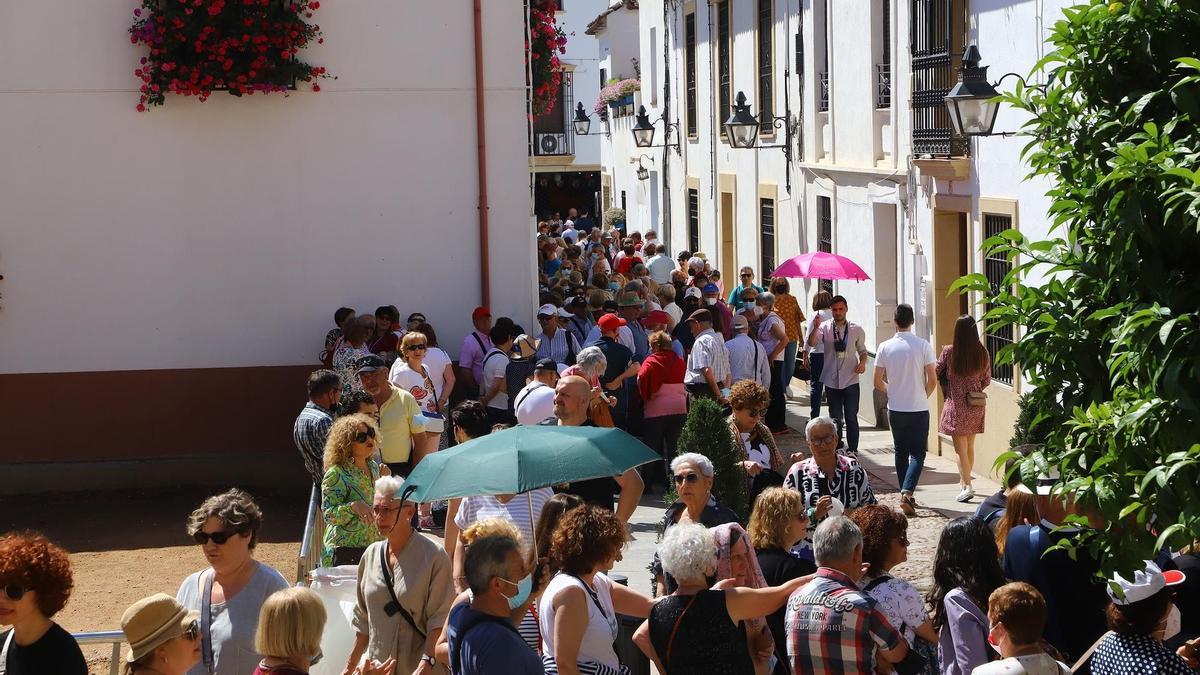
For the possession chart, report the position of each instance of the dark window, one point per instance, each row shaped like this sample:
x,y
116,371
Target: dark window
x,y
603,77
883,69
825,234
690,75
724,65
766,237
995,268
765,67
822,29
935,53
693,219
623,203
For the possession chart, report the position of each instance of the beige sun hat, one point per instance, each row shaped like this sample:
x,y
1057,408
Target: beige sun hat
x,y
150,622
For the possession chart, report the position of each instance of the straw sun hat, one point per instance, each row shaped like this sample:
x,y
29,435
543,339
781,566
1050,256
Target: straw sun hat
x,y
150,622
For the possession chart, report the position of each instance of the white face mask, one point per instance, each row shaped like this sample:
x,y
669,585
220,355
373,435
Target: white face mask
x,y
1173,623
710,301
756,311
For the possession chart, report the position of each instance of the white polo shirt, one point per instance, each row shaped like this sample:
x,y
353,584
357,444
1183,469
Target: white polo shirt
x,y
904,357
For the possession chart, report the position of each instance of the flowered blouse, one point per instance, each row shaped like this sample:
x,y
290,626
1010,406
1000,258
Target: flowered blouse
x,y
343,362
793,318
341,486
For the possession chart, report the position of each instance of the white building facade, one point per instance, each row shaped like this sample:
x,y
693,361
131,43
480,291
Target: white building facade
x,y
169,276
871,171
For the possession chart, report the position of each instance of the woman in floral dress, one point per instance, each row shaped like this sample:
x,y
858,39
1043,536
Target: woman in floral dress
x,y
352,346
965,368
347,489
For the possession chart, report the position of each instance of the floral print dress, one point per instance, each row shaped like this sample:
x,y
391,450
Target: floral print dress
x,y
960,418
341,486
343,362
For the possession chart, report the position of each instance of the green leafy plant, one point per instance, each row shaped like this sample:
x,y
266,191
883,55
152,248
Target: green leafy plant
x,y
1107,307
706,431
614,216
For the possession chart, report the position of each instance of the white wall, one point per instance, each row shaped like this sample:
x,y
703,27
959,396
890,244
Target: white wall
x,y
226,233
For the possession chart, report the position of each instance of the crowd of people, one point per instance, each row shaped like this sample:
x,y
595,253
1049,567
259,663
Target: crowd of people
x,y
519,583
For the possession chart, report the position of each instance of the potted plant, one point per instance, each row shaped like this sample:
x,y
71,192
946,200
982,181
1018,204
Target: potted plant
x,y
614,217
617,93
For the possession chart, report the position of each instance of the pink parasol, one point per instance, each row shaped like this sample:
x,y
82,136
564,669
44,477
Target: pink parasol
x,y
820,265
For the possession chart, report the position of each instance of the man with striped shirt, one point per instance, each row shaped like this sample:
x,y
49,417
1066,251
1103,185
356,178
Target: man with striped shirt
x,y
557,343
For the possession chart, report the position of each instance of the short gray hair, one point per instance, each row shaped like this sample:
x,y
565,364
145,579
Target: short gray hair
x,y
487,557
823,420
835,540
591,360
389,486
687,552
703,463
766,298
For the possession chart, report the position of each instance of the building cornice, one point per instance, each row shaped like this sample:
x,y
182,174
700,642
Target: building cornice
x,y
600,23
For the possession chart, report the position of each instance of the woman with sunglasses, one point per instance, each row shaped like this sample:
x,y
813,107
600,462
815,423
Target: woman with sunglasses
x,y
350,473
36,579
693,477
778,522
885,545
228,594
761,459
431,384
164,637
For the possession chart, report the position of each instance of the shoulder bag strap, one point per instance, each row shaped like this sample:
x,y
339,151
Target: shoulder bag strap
x,y
387,579
591,593
881,579
206,648
4,651
675,629
479,341
429,383
1088,654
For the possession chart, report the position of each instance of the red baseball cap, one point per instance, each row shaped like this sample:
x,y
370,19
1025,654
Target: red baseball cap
x,y
656,317
610,322
480,312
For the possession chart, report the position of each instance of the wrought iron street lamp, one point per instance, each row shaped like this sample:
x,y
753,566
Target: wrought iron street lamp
x,y
643,131
582,123
971,102
741,128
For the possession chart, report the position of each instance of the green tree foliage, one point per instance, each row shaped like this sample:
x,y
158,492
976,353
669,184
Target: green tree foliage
x,y
706,431
1110,339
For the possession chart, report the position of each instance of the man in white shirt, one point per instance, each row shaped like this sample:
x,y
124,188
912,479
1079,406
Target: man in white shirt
x,y
845,348
493,392
708,363
747,358
658,262
905,370
535,403
556,343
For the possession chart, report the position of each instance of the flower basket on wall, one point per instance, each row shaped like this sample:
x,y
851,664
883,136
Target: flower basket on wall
x,y
617,94
197,47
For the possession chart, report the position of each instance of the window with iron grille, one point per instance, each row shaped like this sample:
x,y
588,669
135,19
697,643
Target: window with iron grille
x,y
883,69
937,37
689,29
822,36
724,65
765,67
995,267
766,237
693,220
825,234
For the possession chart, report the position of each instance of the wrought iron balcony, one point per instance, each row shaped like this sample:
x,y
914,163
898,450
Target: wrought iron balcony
x,y
883,85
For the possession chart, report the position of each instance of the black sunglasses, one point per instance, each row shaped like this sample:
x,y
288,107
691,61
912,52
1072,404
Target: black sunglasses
x,y
681,478
14,591
415,348
756,412
362,436
747,275
218,538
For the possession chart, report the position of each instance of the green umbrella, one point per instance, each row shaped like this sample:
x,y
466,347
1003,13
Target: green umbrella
x,y
523,458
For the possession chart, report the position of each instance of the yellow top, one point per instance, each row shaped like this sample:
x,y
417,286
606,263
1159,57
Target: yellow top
x,y
395,425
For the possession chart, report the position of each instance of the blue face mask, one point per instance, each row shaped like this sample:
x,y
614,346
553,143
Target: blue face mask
x,y
524,587
612,286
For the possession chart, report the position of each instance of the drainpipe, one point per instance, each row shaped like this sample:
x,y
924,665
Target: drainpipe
x,y
481,160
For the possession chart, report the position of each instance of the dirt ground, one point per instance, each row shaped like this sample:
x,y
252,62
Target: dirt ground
x,y
127,545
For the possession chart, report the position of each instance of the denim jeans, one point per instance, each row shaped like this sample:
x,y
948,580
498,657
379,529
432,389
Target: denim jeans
x,y
909,432
843,406
816,363
789,364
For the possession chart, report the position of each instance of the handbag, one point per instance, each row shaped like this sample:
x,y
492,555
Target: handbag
x,y
977,399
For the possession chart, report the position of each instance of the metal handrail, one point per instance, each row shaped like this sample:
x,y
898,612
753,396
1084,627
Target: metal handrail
x,y
311,540
114,637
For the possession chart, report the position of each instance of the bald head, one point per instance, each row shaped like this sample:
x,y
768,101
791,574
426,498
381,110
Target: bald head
x,y
571,398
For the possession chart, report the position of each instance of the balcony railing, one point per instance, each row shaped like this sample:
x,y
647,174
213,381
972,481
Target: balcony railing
x,y
823,92
883,85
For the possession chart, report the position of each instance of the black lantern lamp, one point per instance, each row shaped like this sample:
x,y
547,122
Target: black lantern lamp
x,y
582,122
643,130
741,128
971,102
642,172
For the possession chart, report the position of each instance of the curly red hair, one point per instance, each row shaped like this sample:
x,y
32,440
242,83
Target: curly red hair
x,y
35,562
585,537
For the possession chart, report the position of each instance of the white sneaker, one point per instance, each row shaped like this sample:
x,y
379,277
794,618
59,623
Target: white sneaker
x,y
966,494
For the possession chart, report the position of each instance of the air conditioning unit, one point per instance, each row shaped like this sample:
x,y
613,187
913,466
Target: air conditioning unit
x,y
551,144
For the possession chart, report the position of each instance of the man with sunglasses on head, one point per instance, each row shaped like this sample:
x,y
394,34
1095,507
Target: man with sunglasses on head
x,y
404,590
399,414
